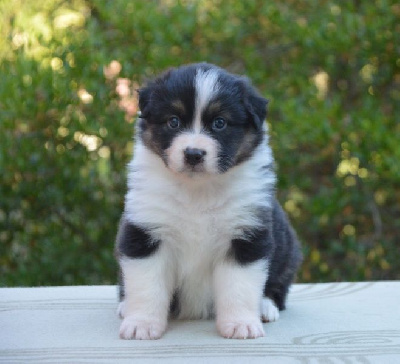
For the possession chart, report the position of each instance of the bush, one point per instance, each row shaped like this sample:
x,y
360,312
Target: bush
x,y
67,103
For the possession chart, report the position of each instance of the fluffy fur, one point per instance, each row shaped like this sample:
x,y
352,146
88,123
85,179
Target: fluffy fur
x,y
202,234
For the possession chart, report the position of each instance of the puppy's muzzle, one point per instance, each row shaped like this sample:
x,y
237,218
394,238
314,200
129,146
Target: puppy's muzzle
x,y
194,156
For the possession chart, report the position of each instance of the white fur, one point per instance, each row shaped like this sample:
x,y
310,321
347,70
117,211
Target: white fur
x,y
206,84
238,293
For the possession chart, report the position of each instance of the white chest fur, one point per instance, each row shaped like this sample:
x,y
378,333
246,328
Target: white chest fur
x,y
195,219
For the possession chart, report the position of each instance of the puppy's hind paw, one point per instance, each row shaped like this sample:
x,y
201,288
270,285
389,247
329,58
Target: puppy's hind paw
x,y
132,328
241,330
269,311
121,309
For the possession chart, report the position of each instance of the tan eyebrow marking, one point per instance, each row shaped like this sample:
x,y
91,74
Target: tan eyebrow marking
x,y
214,107
179,106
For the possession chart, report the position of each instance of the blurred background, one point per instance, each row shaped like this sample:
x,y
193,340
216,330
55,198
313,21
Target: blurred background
x,y
69,71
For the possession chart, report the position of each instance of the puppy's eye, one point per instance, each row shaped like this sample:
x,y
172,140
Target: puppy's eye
x,y
174,122
218,124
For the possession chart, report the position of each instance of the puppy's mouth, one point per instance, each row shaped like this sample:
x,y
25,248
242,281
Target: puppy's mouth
x,y
193,171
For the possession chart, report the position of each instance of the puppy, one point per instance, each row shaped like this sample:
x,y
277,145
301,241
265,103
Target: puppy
x,y
202,233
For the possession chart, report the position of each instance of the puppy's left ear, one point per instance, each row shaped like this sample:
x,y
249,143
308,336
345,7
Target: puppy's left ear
x,y
255,104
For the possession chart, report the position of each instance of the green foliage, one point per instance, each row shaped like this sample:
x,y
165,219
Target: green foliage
x,y
330,69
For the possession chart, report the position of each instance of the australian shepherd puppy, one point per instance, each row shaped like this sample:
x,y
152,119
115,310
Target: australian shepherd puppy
x,y
202,234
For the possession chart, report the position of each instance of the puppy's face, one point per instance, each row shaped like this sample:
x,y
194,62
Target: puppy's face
x,y
200,119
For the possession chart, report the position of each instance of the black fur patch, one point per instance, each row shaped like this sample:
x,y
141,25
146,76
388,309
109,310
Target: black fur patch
x,y
134,241
174,305
253,246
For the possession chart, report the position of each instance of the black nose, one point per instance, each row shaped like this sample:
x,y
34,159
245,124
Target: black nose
x,y
194,156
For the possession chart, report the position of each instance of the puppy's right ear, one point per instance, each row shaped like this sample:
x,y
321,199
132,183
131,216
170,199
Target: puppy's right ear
x,y
144,100
145,93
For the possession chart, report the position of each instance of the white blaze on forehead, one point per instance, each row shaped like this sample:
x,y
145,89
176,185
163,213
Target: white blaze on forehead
x,y
206,85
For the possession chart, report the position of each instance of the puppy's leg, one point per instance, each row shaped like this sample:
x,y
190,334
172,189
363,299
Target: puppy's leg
x,y
146,283
147,297
238,292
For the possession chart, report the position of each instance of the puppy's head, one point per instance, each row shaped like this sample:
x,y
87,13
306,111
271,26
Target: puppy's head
x,y
201,119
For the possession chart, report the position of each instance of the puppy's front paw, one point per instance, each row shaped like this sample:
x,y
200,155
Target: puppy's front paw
x,y
139,329
247,329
